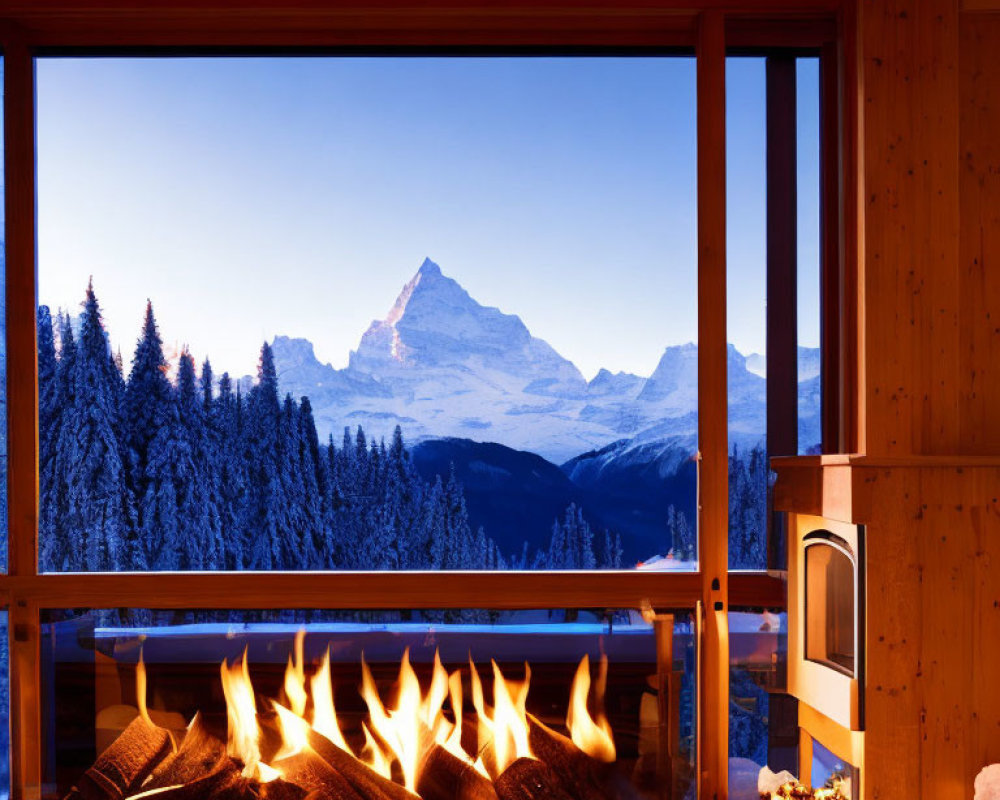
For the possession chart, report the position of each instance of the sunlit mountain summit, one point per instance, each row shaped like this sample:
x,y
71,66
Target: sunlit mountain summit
x,y
441,364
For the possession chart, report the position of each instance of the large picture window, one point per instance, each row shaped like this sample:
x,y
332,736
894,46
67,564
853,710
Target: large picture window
x,y
308,330
214,394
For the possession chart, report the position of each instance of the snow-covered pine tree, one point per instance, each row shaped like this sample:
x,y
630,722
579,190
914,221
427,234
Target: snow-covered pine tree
x,y
267,519
199,499
97,493
206,384
313,481
611,556
231,473
147,398
579,539
303,517
54,397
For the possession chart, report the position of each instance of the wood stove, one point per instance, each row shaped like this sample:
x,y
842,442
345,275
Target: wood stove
x,y
826,648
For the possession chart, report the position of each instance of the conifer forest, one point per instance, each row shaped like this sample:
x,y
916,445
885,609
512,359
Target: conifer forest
x,y
149,471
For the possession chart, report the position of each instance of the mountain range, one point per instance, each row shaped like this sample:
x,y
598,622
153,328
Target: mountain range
x,y
442,365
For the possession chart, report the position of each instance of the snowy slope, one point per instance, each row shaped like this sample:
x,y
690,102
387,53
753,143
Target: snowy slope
x,y
440,364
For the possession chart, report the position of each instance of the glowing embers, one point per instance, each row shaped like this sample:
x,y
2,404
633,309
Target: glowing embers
x,y
793,790
417,742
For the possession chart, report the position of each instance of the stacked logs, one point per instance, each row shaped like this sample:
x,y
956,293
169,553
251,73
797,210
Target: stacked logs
x,y
793,790
144,762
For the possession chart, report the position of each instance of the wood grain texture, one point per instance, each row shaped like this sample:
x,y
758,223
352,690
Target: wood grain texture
x,y
22,408
411,23
22,386
501,590
932,642
979,272
832,299
932,702
713,446
911,228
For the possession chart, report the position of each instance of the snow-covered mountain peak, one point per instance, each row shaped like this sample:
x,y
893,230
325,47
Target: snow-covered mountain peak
x,y
429,269
435,323
441,364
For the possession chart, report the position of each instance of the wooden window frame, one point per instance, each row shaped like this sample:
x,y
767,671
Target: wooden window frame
x,y
710,30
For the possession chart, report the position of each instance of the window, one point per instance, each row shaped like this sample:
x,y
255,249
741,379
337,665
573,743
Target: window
x,y
529,403
29,591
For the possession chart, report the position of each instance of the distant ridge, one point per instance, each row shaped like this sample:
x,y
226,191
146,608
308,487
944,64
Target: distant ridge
x,y
441,364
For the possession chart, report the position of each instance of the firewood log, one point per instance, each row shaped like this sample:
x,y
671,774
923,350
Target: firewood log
x,y
314,775
368,783
529,779
199,754
580,774
121,769
280,789
444,776
222,783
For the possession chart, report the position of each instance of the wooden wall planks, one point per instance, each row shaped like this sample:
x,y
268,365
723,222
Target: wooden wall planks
x,y
932,638
979,266
911,227
933,704
713,445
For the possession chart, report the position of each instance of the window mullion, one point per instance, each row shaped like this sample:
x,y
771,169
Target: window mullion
x,y
713,482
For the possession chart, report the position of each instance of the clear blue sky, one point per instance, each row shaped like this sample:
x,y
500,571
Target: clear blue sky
x,y
254,197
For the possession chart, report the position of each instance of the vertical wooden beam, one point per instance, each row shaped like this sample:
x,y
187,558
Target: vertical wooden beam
x,y
713,483
851,231
22,393
22,410
831,299
911,235
663,628
782,280
782,259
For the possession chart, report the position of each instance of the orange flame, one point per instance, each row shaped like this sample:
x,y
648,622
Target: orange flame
x,y
373,755
243,735
404,732
506,729
400,727
294,732
140,689
295,677
591,735
443,732
324,713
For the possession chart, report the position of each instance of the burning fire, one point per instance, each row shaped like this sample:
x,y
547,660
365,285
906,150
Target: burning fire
x,y
591,734
400,735
792,790
243,738
504,732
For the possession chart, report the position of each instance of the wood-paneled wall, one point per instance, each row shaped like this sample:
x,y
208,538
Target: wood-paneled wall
x,y
930,98
910,80
932,704
979,209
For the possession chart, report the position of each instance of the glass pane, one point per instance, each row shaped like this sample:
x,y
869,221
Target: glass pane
x,y
618,727
762,719
831,771
830,595
807,139
746,303
746,217
527,394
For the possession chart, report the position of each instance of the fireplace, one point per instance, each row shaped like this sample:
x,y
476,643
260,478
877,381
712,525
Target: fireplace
x,y
826,617
826,653
368,705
